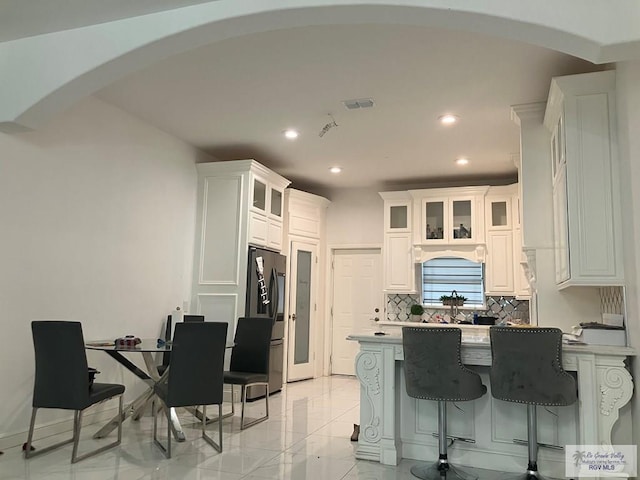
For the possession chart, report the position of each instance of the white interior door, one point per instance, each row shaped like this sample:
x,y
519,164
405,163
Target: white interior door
x,y
303,283
357,300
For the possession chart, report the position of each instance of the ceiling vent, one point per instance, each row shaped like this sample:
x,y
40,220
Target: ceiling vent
x,y
358,103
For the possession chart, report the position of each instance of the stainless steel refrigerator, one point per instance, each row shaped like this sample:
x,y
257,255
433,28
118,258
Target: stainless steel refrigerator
x,y
266,295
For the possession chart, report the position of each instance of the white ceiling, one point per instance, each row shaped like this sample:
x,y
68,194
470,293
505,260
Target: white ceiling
x,y
234,98
26,18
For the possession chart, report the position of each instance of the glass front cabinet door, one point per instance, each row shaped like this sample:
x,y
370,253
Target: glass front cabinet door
x,y
461,220
259,195
434,220
449,220
276,203
398,268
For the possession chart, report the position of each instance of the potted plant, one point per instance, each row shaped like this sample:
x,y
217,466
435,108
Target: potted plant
x,y
453,300
416,312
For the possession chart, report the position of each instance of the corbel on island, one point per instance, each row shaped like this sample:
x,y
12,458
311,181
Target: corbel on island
x,y
395,426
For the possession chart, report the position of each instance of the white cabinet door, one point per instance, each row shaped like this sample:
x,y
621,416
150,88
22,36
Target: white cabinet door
x,y
449,216
435,224
498,213
581,116
274,234
560,226
462,224
399,269
266,212
275,203
449,220
258,229
259,197
500,262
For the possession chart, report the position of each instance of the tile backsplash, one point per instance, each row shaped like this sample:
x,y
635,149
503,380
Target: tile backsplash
x,y
612,300
504,308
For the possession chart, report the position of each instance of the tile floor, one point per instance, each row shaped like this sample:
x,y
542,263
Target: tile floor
x,y
306,437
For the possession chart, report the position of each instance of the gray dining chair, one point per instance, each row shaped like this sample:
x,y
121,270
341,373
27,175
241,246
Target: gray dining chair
x,y
433,370
62,382
166,356
526,367
195,377
249,364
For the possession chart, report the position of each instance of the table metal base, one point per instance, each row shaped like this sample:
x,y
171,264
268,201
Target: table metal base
x,y
136,408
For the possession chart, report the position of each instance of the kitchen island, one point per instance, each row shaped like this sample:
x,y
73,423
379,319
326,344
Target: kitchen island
x,y
395,426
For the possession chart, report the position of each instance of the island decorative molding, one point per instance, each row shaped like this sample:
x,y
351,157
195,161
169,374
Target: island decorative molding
x,y
390,419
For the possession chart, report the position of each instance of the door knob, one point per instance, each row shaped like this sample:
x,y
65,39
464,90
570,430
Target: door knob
x,y
293,317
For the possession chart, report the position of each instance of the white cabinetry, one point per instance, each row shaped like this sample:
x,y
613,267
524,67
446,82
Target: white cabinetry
x,y
305,216
231,210
499,265
449,216
399,269
265,214
504,273
521,285
587,222
481,224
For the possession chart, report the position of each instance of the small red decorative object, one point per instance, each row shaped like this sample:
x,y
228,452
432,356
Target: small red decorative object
x,y
128,341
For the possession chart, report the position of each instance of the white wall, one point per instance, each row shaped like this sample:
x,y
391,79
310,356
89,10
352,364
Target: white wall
x,y
97,213
355,217
628,106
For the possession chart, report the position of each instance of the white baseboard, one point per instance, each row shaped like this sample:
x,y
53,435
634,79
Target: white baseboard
x,y
54,428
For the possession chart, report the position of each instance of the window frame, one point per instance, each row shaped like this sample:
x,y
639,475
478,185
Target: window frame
x,y
476,300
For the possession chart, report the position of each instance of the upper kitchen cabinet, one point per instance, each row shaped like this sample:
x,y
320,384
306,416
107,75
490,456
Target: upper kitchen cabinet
x,y
266,212
449,216
254,193
504,272
399,269
305,215
580,115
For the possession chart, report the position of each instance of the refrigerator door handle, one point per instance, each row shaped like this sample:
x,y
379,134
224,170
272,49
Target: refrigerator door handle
x,y
273,294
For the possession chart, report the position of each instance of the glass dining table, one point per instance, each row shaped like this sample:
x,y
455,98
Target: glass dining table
x,y
147,348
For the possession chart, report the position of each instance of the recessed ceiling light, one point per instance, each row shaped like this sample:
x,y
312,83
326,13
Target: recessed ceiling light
x,y
462,161
448,119
291,134
335,169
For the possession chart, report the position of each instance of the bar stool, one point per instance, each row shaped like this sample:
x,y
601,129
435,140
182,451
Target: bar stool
x,y
433,370
526,367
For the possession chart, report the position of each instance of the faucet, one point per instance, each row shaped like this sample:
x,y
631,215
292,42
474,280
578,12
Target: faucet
x,y
454,306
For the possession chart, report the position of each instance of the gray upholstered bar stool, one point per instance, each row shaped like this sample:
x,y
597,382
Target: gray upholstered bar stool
x,y
433,370
526,367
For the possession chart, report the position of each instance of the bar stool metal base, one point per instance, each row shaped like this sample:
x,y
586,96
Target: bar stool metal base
x,y
441,470
529,475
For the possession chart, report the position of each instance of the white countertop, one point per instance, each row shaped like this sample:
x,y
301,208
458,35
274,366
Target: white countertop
x,y
470,333
469,339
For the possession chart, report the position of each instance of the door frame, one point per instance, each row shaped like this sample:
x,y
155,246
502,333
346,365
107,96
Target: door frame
x,y
328,324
